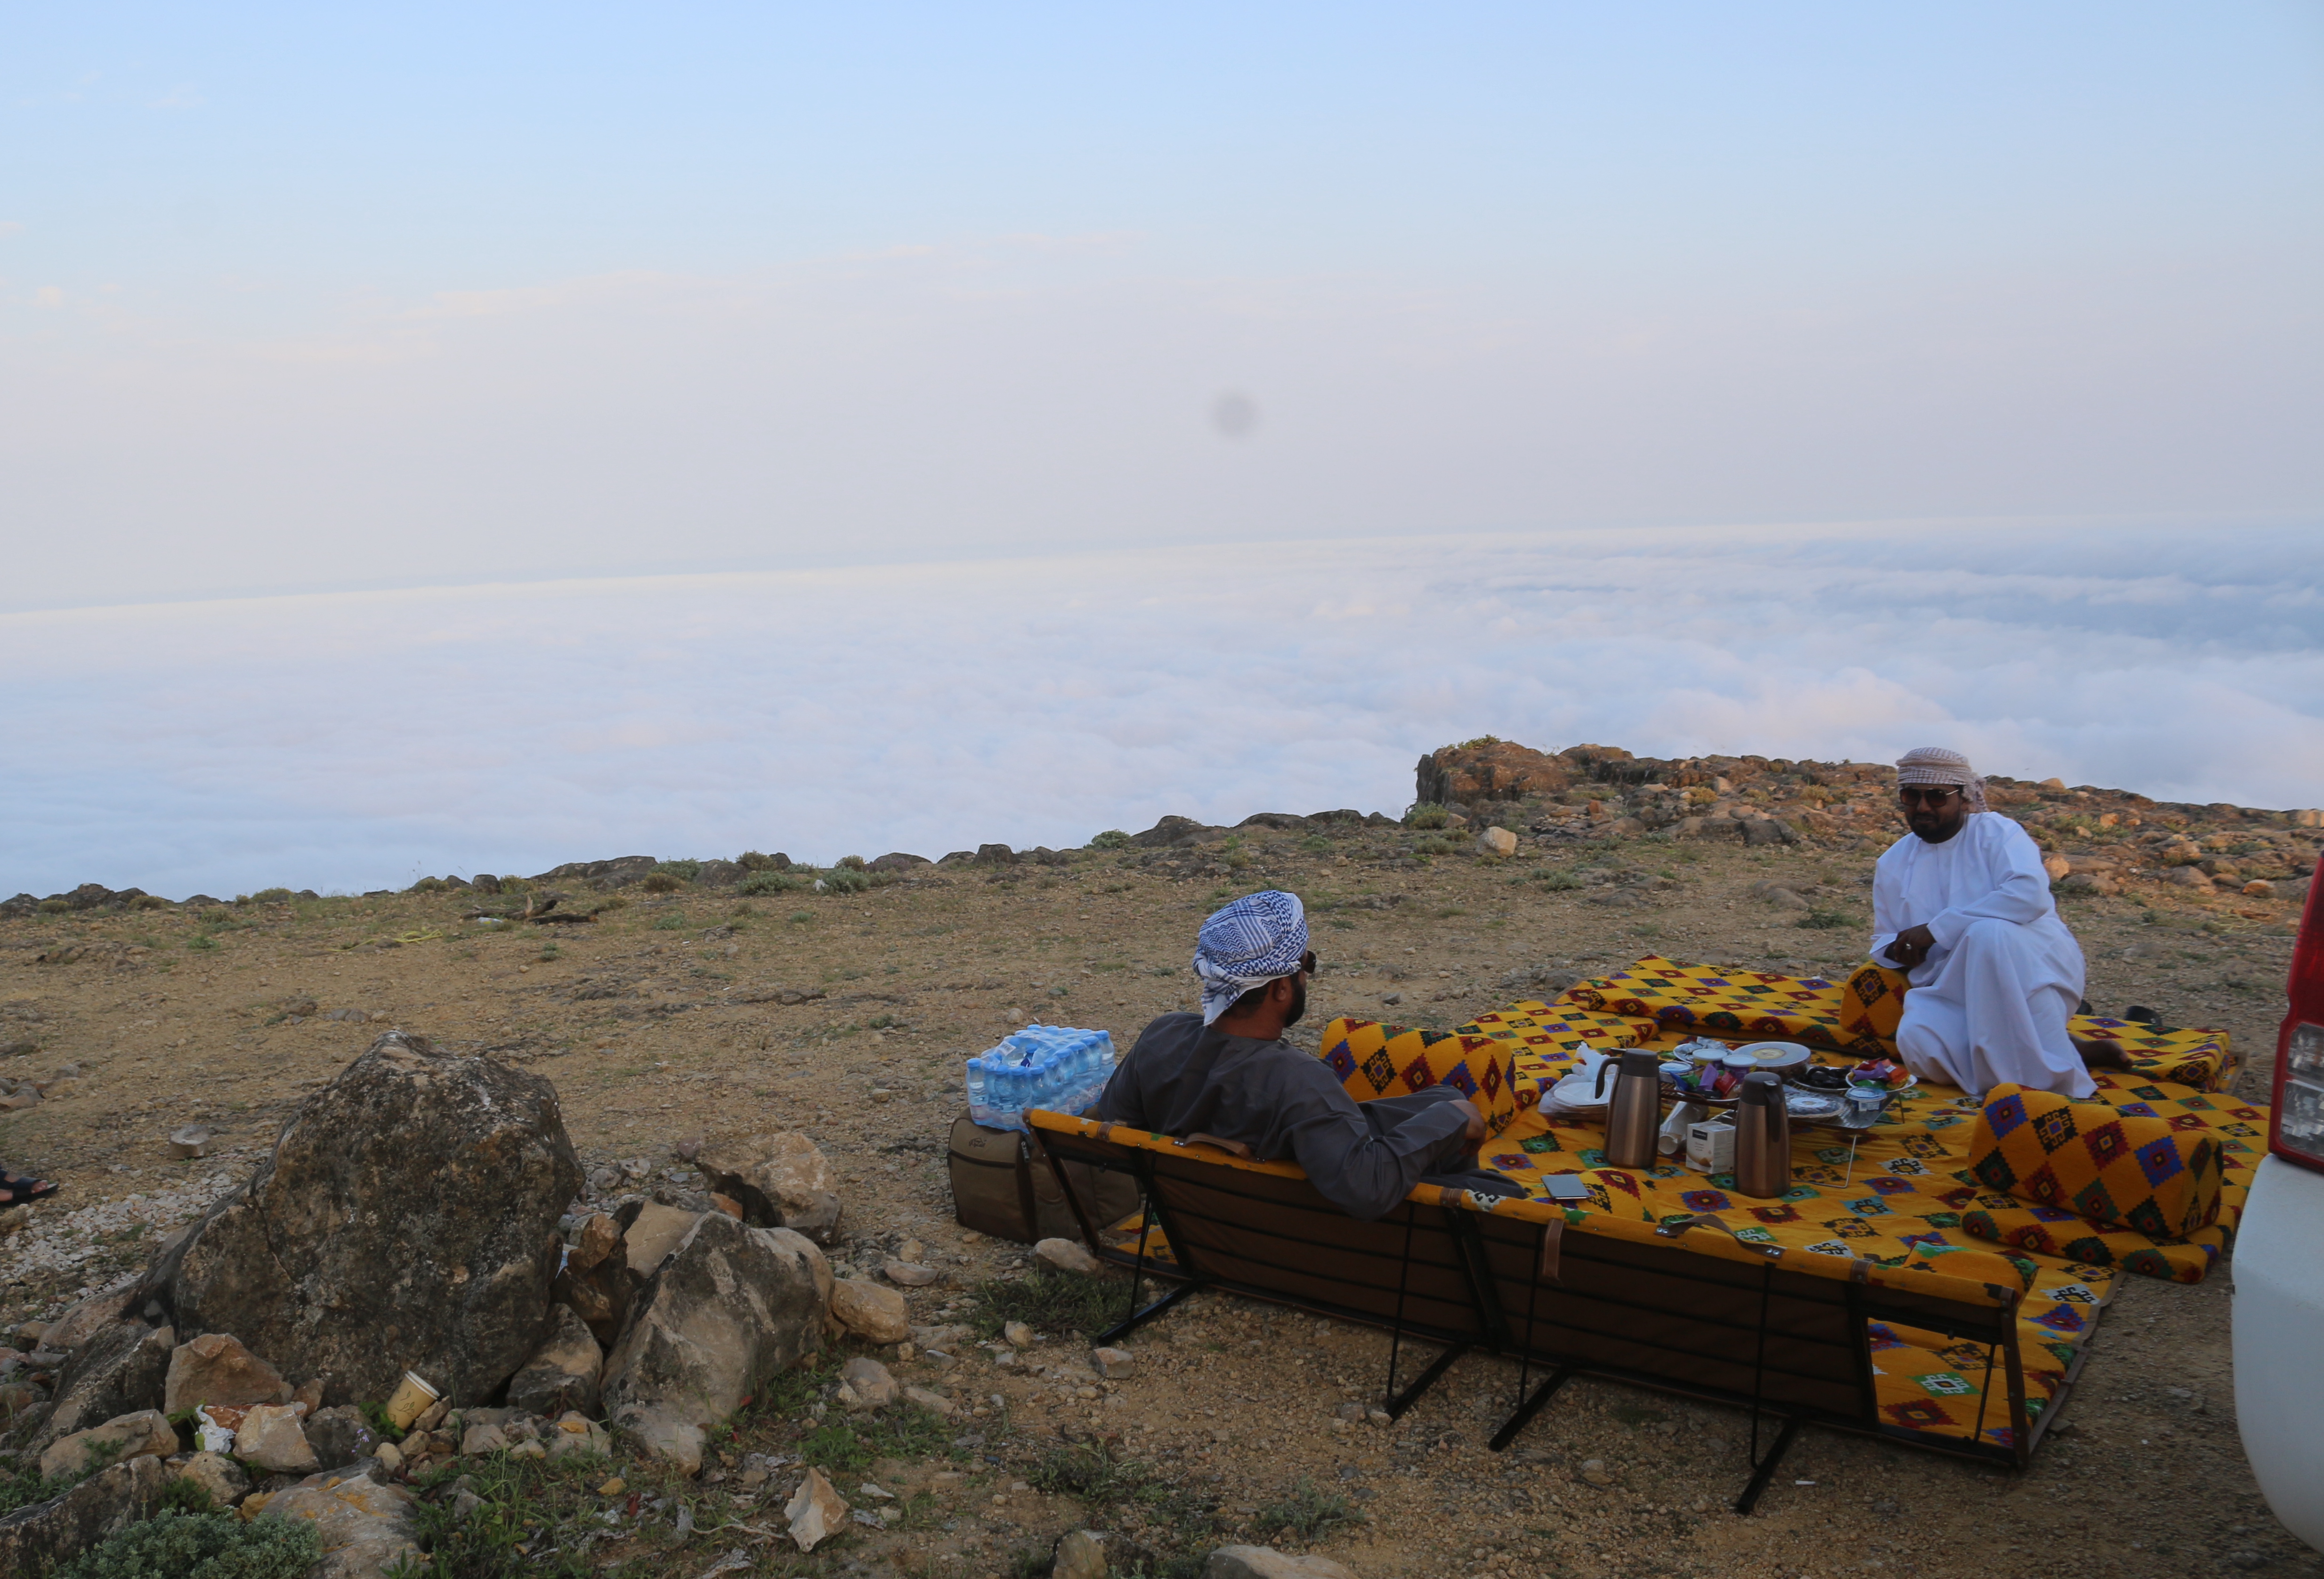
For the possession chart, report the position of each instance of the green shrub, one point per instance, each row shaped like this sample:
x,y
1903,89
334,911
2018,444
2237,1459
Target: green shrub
x,y
55,907
1434,848
1556,879
684,870
1050,1301
201,940
662,883
845,880
1112,839
1316,845
149,901
1482,740
1428,814
424,885
179,1545
853,864
1306,1513
1823,921
771,881
670,921
273,896
756,861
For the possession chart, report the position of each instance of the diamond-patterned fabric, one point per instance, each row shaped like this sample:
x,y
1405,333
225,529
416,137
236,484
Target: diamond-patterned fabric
x,y
1374,1060
2089,1167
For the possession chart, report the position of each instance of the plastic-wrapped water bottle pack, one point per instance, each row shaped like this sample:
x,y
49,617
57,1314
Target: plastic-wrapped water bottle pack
x,y
1050,1066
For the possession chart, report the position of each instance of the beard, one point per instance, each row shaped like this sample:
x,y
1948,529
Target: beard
x,y
1298,1008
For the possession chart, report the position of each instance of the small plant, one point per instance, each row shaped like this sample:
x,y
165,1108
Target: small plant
x,y
684,870
1433,847
845,880
1824,920
1112,839
853,864
1316,845
752,861
547,949
206,1545
55,907
1306,1513
1047,1300
201,940
670,921
1482,740
1427,814
771,881
424,885
802,916
273,896
661,883
150,902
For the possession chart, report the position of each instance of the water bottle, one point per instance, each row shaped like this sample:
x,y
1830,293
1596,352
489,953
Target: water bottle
x,y
979,1103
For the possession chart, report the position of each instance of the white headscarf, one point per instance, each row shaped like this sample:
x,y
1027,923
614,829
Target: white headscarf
x,y
1936,764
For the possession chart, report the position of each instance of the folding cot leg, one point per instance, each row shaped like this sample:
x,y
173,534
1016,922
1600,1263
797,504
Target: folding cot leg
x,y
1531,1407
1765,1470
1139,1318
1411,1395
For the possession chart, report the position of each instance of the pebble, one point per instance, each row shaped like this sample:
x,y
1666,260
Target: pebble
x,y
1019,1334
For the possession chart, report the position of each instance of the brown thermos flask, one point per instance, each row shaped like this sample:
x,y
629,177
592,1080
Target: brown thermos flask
x,y
1763,1137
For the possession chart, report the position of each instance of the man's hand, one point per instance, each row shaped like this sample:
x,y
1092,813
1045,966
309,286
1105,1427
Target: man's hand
x,y
1912,946
1475,1133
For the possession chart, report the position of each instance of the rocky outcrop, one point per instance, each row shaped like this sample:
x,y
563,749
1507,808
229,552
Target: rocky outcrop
x,y
43,1537
730,1306
406,1218
561,1376
784,1181
1487,769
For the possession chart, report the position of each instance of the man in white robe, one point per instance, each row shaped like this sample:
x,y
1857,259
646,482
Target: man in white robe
x,y
1962,905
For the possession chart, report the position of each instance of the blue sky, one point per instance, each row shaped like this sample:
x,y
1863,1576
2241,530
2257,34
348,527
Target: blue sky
x,y
304,301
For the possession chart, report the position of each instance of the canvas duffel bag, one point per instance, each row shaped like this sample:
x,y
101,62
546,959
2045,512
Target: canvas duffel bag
x,y
1002,1185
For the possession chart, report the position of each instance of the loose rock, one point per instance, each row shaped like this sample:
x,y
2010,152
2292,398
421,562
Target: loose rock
x,y
145,1431
815,1512
873,1313
1266,1563
936,1403
909,1275
227,1481
366,1527
874,1383
1496,841
792,1185
341,1436
652,1233
1078,1557
270,1438
733,1305
217,1369
1111,1364
117,1371
1067,1255
562,1374
46,1535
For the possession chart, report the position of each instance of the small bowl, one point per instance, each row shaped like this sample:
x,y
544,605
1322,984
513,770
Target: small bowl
x,y
1776,1054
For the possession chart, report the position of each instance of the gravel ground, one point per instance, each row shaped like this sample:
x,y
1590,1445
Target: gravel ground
x,y
639,1019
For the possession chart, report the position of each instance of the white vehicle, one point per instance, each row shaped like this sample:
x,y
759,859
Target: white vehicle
x,y
2279,1261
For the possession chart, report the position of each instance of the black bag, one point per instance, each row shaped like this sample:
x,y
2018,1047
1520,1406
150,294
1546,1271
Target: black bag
x,y
1002,1185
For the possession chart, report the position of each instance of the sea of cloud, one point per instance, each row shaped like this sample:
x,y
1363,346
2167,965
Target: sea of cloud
x,y
350,740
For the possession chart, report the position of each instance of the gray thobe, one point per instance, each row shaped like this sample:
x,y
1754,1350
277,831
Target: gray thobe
x,y
1185,1079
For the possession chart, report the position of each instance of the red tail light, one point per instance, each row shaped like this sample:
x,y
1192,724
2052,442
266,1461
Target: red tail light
x,y
2296,1130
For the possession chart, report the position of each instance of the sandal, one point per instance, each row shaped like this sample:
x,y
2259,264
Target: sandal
x,y
18,1189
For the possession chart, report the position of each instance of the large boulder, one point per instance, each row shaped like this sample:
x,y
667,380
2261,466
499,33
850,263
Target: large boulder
x,y
130,1436
730,1306
406,1219
46,1535
561,1376
366,1526
783,1181
116,1370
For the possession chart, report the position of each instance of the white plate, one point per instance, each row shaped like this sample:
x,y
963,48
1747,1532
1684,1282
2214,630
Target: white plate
x,y
1776,1054
1573,1093
1804,1104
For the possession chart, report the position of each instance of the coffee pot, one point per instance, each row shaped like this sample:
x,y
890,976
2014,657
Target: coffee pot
x,y
1635,1115
1763,1137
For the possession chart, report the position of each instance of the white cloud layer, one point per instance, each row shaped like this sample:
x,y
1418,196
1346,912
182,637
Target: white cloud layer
x,y
358,740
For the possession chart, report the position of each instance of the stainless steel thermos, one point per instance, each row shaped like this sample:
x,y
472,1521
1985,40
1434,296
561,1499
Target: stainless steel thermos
x,y
1763,1137
1635,1113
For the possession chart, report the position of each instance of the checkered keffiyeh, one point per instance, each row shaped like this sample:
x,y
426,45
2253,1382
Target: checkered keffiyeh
x,y
1255,940
1937,764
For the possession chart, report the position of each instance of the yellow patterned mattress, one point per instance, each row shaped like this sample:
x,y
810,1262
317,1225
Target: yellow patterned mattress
x,y
1895,1193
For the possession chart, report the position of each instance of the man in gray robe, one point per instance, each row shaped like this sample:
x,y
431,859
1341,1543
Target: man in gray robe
x,y
1228,1074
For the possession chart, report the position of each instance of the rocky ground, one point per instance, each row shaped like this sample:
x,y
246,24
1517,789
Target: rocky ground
x,y
688,1010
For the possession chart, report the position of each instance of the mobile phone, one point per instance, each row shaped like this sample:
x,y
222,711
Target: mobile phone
x,y
1565,1187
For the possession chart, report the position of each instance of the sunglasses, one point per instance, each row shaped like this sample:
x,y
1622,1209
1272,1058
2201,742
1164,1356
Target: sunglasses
x,y
1927,794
